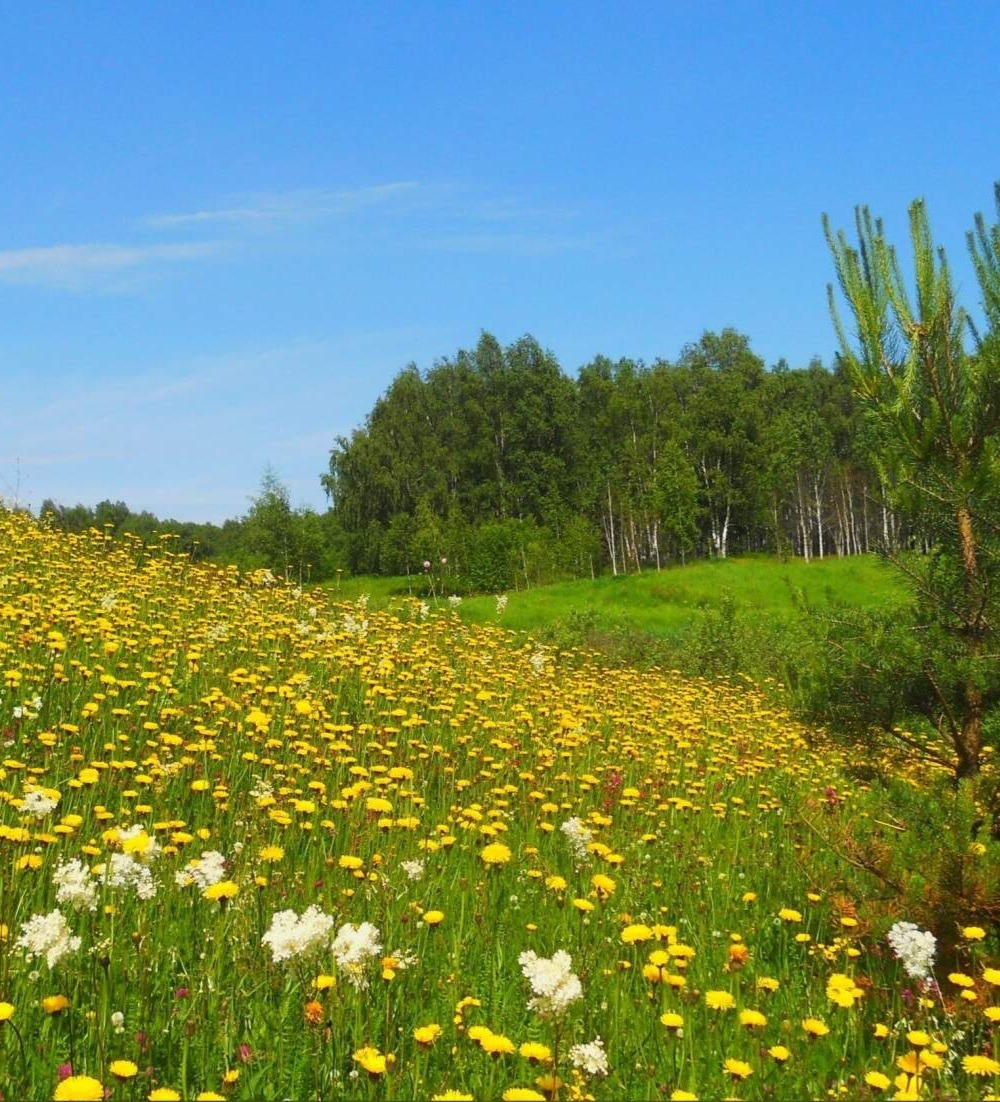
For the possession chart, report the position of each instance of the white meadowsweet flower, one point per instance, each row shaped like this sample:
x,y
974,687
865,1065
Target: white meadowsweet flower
x,y
75,886
48,936
38,803
353,947
124,871
413,869
578,837
915,949
590,1058
209,869
554,985
290,935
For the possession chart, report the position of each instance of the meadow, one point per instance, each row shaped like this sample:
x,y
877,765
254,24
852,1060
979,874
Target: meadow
x,y
260,842
667,604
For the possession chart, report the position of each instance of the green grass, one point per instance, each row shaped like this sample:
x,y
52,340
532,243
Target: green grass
x,y
669,604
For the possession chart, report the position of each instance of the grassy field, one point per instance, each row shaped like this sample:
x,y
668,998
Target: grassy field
x,y
261,843
670,603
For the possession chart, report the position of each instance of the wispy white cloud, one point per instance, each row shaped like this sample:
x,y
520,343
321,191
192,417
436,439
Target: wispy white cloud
x,y
303,204
76,266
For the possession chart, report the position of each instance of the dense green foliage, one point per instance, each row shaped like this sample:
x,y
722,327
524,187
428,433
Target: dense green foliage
x,y
516,473
298,544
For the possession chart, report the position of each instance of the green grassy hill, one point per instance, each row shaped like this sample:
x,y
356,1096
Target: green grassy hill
x,y
669,604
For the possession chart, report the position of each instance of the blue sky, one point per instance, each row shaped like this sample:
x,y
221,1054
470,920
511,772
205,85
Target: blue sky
x,y
224,228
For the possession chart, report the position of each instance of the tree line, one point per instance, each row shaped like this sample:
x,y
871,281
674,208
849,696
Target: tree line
x,y
516,473
298,544
499,469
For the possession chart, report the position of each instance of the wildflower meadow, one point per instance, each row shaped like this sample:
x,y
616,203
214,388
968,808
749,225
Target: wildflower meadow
x,y
258,843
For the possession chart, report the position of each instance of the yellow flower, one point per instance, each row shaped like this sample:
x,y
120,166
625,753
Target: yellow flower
x,y
738,1069
496,1044
842,990
881,1030
719,1000
373,1061
992,976
324,983
973,933
672,1020
786,914
815,1027
960,979
210,1096
78,1088
779,1053
6,1012
223,890
495,854
123,1069
164,1094
918,1038
992,1013
632,935
583,905
272,854
55,1004
679,1095
452,1096
767,983
522,1094
427,1034
877,1080
603,885
433,918
752,1019
980,1065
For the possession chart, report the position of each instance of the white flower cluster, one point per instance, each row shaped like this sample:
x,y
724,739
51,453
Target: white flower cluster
x,y
353,947
75,886
537,662
578,837
354,626
124,871
29,710
914,947
454,600
292,936
48,936
554,985
590,1058
206,870
38,803
261,789
501,603
413,869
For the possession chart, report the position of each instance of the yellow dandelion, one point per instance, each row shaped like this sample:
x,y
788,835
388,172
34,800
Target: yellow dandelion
x,y
737,1069
79,1088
